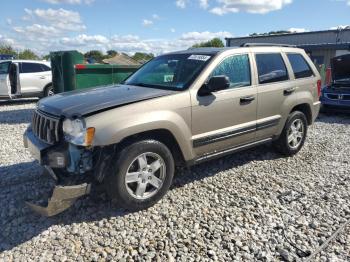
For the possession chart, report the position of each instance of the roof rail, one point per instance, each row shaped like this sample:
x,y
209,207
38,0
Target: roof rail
x,y
265,44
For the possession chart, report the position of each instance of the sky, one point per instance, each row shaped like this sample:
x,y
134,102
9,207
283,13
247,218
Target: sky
x,y
156,26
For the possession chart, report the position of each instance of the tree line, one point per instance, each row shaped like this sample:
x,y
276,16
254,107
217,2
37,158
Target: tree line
x,y
96,55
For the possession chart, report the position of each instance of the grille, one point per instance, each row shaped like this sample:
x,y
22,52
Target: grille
x,y
46,127
336,97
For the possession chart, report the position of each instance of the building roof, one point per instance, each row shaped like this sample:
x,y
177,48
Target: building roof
x,y
330,38
121,59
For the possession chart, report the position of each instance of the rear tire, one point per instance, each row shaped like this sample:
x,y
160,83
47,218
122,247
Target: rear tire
x,y
49,91
293,135
133,184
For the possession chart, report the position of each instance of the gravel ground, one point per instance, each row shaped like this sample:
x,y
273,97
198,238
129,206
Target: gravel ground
x,y
250,206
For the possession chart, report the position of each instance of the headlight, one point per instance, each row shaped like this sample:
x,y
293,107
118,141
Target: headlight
x,y
75,132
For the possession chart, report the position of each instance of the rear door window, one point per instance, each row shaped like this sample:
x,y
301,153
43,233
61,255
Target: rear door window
x,y
237,69
271,68
300,67
31,68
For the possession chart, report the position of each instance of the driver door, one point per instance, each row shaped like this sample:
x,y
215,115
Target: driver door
x,y
4,78
227,118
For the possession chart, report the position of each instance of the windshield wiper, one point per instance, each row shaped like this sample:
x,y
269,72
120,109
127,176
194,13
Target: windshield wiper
x,y
139,84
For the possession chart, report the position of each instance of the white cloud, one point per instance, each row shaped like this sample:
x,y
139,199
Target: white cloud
x,y
36,30
147,22
155,17
61,19
71,2
297,30
9,21
172,30
234,6
204,4
82,40
340,27
204,36
132,43
6,41
181,3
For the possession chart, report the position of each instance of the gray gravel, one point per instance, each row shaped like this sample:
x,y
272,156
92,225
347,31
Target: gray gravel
x,y
250,206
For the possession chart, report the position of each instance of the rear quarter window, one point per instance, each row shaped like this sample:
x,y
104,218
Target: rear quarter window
x,y
300,66
271,68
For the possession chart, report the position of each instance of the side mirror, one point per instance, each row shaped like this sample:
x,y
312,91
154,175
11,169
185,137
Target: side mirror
x,y
215,83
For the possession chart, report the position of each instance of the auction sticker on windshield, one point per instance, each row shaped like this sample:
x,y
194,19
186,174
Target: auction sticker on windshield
x,y
199,57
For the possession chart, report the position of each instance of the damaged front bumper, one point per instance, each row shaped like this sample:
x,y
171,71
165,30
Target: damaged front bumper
x,y
63,195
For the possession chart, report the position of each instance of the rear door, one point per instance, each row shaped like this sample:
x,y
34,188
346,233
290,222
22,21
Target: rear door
x,y
4,78
276,93
34,77
226,118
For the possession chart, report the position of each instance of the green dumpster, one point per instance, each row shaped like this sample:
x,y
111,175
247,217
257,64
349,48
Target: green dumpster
x,y
63,71
70,73
101,75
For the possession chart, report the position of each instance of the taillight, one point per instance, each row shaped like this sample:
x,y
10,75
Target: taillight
x,y
319,85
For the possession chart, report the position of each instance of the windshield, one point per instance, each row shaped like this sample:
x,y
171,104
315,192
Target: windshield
x,y
175,72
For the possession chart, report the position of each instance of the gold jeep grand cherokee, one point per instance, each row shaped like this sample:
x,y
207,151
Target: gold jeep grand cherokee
x,y
178,109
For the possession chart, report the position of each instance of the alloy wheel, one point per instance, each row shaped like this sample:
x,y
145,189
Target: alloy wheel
x,y
296,133
145,175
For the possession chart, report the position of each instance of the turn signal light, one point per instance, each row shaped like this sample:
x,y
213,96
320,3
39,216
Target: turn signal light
x,y
89,136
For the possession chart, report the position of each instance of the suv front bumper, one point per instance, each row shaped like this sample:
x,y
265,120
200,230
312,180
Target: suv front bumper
x,y
63,196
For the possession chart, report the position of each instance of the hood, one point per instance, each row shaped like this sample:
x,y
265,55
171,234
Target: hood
x,y
341,69
92,100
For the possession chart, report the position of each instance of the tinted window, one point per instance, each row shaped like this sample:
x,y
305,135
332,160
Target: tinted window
x,y
271,68
237,69
31,68
300,67
45,67
4,68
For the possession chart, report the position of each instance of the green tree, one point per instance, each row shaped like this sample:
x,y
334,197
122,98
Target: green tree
x,y
96,55
142,57
27,55
46,57
215,42
7,50
111,53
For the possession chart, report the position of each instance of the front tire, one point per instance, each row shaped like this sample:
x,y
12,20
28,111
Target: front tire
x,y
142,175
293,135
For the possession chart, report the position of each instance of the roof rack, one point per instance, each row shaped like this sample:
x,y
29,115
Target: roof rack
x,y
265,44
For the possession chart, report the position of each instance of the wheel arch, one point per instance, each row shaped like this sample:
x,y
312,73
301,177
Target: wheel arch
x,y
162,135
305,108
45,88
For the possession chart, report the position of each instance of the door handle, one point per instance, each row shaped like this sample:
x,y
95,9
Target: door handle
x,y
42,77
247,99
289,91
